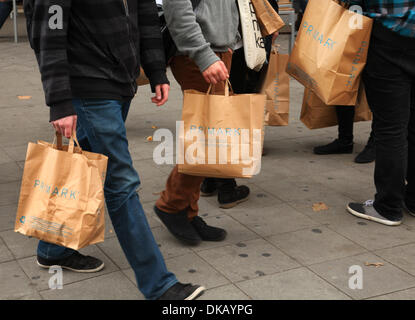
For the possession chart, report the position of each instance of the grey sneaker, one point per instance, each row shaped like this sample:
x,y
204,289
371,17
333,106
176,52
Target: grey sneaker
x,y
367,211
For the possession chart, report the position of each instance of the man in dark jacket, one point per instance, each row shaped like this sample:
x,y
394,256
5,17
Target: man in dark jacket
x,y
89,54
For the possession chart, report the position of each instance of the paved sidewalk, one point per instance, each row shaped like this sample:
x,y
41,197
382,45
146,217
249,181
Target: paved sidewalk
x,y
278,247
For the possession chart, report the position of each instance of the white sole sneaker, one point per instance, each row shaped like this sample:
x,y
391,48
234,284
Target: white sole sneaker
x,y
198,292
379,219
75,270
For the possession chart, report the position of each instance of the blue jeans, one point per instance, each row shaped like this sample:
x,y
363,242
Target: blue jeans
x,y
101,129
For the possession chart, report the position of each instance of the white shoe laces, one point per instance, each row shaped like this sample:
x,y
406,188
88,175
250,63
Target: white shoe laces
x,y
369,203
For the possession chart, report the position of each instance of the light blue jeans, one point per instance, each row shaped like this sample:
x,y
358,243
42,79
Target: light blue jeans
x,y
101,129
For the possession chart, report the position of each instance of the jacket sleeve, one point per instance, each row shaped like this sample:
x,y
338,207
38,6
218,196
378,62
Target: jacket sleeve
x,y
47,26
152,56
187,34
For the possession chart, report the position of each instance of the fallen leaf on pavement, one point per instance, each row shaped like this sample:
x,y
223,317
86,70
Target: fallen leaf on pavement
x,y
153,127
374,264
24,97
320,206
149,138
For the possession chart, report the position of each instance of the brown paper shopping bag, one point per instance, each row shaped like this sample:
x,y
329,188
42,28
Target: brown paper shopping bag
x,y
276,86
62,196
330,51
269,20
221,135
315,114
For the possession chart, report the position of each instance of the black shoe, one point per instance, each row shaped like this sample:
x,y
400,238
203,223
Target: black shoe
x,y
367,211
368,154
180,291
208,233
409,209
208,187
230,199
75,262
335,147
179,225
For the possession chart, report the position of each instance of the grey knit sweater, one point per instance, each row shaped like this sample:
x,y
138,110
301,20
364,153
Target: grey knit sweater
x,y
212,27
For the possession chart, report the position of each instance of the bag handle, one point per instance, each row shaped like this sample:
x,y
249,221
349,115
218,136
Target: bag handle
x,y
72,140
227,85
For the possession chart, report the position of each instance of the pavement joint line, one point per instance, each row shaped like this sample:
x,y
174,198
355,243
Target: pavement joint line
x,y
385,294
332,285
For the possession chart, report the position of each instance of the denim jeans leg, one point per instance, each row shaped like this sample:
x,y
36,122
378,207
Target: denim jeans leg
x,y
102,123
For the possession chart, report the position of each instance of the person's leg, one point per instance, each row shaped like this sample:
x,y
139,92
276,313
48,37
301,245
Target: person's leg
x,y
410,176
388,79
6,8
344,142
368,154
101,122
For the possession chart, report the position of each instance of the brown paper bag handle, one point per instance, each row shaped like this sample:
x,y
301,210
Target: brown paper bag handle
x,y
227,85
72,140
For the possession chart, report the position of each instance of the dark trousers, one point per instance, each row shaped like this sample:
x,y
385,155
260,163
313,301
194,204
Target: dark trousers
x,y
345,118
389,79
5,10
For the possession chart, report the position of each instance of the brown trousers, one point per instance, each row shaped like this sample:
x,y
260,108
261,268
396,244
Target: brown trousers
x,y
182,190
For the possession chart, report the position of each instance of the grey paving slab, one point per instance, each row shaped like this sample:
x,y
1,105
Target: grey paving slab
x,y
112,286
258,198
7,217
266,221
21,246
16,153
400,256
4,157
297,284
9,193
190,268
228,292
14,283
39,277
375,280
236,232
10,172
302,189
399,295
5,254
248,260
374,236
313,245
169,246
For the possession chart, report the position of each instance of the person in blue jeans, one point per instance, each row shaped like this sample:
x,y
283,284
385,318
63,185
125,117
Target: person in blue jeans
x,y
88,69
